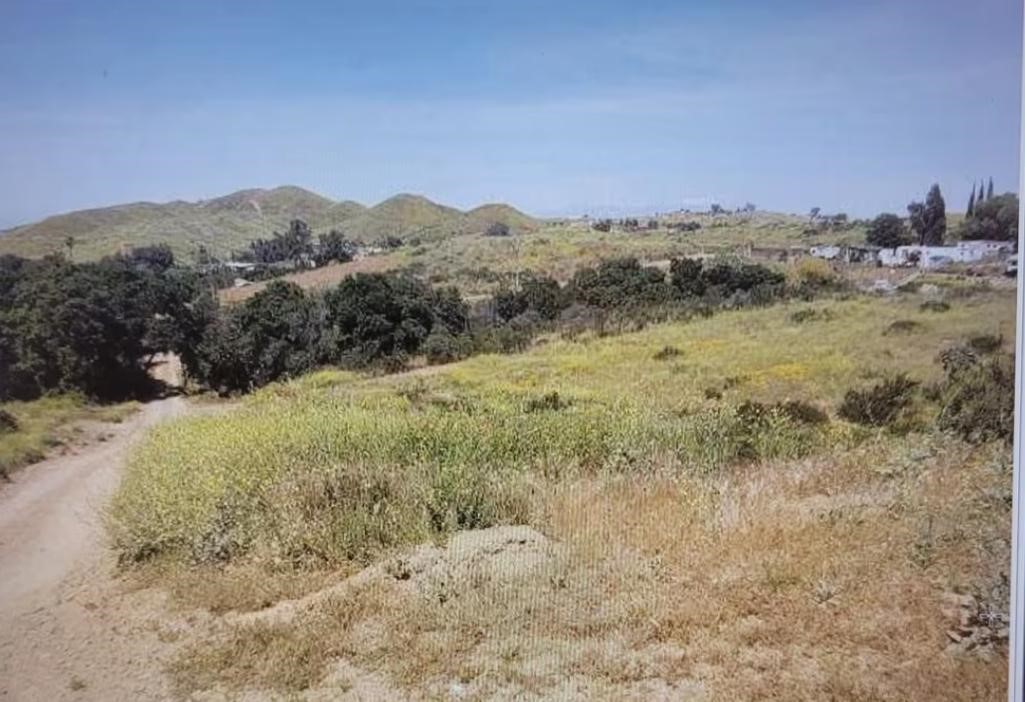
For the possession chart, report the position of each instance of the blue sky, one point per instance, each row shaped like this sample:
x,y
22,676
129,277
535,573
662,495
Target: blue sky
x,y
558,108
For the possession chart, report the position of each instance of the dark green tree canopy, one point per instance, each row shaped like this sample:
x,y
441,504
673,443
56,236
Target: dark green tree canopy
x,y
995,219
929,220
888,231
92,327
619,282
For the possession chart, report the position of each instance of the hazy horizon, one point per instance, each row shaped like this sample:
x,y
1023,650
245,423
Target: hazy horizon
x,y
600,108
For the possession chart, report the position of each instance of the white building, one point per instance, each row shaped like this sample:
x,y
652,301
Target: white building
x,y
938,256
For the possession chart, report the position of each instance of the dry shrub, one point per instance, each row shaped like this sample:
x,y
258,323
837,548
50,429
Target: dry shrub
x,y
978,401
882,405
666,353
811,315
986,343
902,326
8,422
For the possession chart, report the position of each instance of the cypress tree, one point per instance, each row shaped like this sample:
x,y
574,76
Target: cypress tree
x,y
989,189
971,203
935,217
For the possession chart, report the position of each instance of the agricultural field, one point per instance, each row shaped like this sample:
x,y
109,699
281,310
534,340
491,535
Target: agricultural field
x,y
682,511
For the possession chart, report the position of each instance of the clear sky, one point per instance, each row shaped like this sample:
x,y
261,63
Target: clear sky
x,y
556,107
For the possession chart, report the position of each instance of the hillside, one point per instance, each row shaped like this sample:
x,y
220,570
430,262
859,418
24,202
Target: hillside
x,y
227,223
599,509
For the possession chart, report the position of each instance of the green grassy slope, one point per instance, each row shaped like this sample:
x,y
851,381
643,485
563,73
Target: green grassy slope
x,y
230,222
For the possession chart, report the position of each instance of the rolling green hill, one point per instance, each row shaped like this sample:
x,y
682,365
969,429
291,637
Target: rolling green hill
x,y
230,222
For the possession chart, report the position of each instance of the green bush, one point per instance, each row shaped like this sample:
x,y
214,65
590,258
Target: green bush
x,y
666,353
441,346
934,306
881,405
549,402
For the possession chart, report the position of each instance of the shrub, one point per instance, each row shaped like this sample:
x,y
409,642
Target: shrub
x,y
978,400
798,411
443,347
888,231
803,412
685,276
497,229
713,394
902,326
881,405
986,343
549,402
619,282
8,423
814,273
956,359
666,353
776,430
934,306
810,315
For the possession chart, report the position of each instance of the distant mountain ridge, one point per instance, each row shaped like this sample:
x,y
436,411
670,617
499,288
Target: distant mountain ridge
x,y
229,222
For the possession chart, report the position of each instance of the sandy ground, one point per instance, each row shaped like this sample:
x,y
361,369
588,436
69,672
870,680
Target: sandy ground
x,y
68,630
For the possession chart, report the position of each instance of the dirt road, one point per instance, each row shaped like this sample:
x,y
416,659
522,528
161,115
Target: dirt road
x,y
67,629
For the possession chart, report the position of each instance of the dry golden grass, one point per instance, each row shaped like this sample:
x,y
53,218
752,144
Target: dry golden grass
x,y
809,580
672,569
317,278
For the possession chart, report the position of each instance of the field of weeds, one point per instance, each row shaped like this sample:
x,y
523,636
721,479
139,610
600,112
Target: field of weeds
x,y
683,542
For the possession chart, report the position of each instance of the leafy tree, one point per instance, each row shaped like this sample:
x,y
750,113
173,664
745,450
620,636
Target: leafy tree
x,y
602,225
995,219
887,231
538,293
728,277
497,229
685,276
619,282
156,258
274,334
335,247
374,316
814,213
295,244
91,327
929,220
510,304
544,295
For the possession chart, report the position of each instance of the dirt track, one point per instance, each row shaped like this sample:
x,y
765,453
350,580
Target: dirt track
x,y
67,629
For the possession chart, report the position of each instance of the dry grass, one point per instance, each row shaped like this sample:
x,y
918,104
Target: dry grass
x,y
810,580
47,424
317,278
816,569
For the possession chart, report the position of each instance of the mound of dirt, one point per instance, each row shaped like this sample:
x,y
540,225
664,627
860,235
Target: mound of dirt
x,y
503,554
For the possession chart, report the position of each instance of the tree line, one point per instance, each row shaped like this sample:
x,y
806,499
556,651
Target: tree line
x,y
98,327
988,217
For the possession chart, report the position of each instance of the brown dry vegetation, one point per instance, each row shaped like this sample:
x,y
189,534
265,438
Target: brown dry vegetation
x,y
317,278
817,579
870,568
